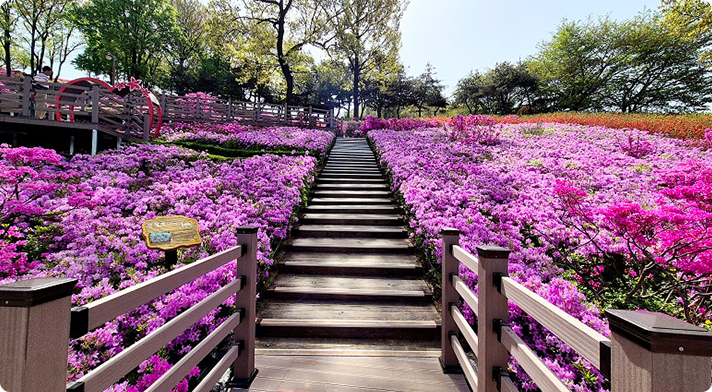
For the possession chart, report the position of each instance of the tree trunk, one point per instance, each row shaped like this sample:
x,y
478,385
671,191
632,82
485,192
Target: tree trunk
x,y
8,59
356,92
281,58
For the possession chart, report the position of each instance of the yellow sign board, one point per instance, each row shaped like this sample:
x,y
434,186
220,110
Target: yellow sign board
x,y
171,232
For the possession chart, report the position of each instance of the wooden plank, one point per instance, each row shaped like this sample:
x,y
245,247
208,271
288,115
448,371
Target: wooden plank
x,y
181,369
467,332
544,378
507,385
218,371
108,308
467,295
364,311
118,366
582,338
470,261
467,369
331,323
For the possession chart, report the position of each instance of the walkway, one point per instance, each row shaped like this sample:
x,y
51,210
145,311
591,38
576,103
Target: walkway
x,y
348,309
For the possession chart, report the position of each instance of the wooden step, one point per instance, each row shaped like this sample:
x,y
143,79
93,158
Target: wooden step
x,y
366,187
347,231
374,172
352,219
342,180
352,194
352,176
354,245
350,166
352,209
351,288
350,200
350,264
349,319
360,347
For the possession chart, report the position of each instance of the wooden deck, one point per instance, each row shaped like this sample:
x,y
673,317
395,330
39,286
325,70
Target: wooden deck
x,y
337,373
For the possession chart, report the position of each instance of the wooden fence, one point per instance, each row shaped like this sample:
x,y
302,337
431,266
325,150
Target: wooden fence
x,y
646,352
37,321
97,109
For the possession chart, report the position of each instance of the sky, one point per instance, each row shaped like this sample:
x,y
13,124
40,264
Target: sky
x,y
458,36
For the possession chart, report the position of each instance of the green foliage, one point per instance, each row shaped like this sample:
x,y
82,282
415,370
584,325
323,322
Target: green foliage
x,y
138,33
637,65
690,20
505,89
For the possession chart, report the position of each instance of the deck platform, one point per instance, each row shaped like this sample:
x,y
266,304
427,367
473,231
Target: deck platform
x,y
352,373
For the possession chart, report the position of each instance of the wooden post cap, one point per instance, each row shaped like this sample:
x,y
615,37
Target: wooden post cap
x,y
247,230
33,292
449,231
493,252
660,333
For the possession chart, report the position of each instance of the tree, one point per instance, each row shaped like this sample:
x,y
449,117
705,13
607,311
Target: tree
x,y
138,33
295,24
428,91
661,72
8,21
691,20
579,60
325,85
401,92
39,18
188,45
365,30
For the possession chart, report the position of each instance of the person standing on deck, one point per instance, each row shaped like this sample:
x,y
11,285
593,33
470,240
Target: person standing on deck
x,y
41,84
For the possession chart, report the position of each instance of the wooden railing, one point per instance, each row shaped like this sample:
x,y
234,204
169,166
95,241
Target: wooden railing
x,y
197,109
37,321
96,108
647,351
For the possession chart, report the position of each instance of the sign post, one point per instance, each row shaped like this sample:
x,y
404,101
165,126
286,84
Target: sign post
x,y
168,233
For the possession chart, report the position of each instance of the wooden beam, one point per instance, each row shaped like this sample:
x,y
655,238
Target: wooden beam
x,y
582,338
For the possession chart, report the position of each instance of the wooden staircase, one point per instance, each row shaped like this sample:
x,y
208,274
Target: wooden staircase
x,y
350,279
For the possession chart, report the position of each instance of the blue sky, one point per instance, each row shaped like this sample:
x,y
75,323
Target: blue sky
x,y
458,36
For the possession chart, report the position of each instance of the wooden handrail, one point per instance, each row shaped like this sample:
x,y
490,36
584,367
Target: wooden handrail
x,y
38,355
465,258
115,368
190,360
467,369
544,378
582,338
467,295
632,343
97,313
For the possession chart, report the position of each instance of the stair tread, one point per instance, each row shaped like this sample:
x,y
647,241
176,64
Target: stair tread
x,y
316,208
355,200
354,345
350,312
364,243
351,216
350,260
383,229
353,192
351,186
353,284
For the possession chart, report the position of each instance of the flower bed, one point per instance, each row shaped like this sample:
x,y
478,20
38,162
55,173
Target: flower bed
x,y
82,219
518,191
235,136
687,126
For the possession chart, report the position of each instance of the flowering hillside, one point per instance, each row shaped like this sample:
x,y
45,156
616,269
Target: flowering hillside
x,y
593,215
289,139
81,219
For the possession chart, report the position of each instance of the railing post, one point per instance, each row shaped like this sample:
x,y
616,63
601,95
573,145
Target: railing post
x,y
243,369
229,109
492,314
26,93
95,105
34,334
331,118
146,126
654,352
450,266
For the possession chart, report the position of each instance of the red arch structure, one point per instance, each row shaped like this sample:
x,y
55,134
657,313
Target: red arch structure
x,y
72,96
